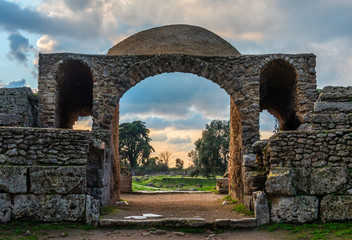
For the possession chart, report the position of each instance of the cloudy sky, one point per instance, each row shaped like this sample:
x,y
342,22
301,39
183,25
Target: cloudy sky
x,y
177,105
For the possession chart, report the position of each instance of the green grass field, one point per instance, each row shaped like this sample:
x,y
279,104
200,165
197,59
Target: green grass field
x,y
324,231
165,183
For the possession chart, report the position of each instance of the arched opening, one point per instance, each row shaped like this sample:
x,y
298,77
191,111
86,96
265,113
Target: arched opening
x,y
278,93
74,93
175,107
268,125
235,161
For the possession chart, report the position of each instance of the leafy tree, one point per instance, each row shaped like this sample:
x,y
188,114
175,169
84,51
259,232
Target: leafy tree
x,y
211,153
151,163
134,143
179,163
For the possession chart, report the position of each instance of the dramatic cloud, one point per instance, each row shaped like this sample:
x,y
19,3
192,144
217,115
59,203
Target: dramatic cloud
x,y
158,137
19,48
229,18
77,5
16,84
185,103
14,18
176,96
337,54
179,140
189,122
46,44
316,20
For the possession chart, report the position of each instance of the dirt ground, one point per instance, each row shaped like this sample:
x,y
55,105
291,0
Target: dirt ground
x,y
106,234
196,205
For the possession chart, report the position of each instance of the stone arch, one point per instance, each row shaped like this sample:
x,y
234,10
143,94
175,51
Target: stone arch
x,y
190,64
175,63
278,80
74,92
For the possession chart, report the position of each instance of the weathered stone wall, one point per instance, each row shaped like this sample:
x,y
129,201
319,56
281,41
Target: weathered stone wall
x,y
310,175
101,172
239,76
114,75
333,110
43,175
18,107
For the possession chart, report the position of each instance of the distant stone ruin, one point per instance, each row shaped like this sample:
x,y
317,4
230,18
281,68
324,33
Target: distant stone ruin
x,y
49,172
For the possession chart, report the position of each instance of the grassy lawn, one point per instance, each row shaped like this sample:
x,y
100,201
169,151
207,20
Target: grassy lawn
x,y
312,231
165,183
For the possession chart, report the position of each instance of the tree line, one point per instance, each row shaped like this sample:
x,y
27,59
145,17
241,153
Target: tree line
x,y
209,157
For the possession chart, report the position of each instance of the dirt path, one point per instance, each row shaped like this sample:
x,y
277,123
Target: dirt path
x,y
202,205
106,234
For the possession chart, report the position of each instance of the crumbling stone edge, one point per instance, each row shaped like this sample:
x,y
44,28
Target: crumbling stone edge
x,y
181,222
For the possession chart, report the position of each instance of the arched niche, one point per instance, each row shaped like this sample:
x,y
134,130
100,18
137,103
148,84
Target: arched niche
x,y
278,93
74,92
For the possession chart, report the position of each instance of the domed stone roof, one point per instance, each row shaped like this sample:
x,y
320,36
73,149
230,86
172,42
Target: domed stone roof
x,y
174,39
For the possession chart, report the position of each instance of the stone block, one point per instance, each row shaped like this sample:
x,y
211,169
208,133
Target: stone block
x,y
222,185
126,183
49,208
331,107
249,160
95,176
61,180
243,223
301,179
298,209
92,210
328,180
259,146
336,208
13,179
261,208
222,223
336,94
102,194
5,207
305,127
254,181
3,158
132,223
11,120
280,181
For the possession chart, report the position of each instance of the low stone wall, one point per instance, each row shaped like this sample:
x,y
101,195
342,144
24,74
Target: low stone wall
x,y
43,175
309,176
18,107
333,110
222,185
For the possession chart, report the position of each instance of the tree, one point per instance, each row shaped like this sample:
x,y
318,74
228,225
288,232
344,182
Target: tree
x,y
134,144
211,153
165,157
179,164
